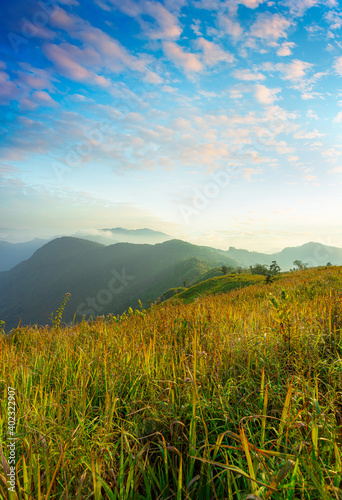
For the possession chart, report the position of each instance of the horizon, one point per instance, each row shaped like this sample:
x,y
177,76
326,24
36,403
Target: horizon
x,y
98,233
217,123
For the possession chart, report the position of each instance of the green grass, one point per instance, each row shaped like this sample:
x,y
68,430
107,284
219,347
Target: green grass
x,y
232,396
218,284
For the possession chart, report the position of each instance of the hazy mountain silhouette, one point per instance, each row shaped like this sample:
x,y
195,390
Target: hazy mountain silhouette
x,y
13,253
314,254
109,236
101,279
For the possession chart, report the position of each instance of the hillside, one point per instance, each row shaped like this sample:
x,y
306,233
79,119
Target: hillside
x,y
218,284
101,279
232,396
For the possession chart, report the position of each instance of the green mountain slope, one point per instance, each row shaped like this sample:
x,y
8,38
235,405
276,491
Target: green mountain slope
x,y
218,284
101,279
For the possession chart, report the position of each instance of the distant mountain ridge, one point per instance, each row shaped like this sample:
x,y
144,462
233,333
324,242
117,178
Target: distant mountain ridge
x,y
12,254
110,236
313,254
101,279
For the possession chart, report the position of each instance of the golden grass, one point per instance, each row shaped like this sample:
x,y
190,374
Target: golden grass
x,y
233,396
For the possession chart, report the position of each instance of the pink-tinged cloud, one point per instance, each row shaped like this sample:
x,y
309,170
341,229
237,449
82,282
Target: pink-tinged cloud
x,y
130,7
295,70
186,60
248,75
270,27
299,7
44,99
338,65
252,4
8,90
167,24
64,20
338,117
114,56
285,49
233,28
213,53
65,64
265,95
34,82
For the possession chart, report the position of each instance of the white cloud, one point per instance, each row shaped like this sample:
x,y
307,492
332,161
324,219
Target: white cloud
x,y
248,75
186,60
338,117
338,65
295,70
285,49
311,114
233,28
298,7
334,19
8,89
252,4
213,53
307,135
165,25
44,99
248,172
270,27
336,170
265,95
196,27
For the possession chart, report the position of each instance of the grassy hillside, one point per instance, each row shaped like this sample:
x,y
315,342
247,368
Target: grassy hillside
x,y
232,396
218,284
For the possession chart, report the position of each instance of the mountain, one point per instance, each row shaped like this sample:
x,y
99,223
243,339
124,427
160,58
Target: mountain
x,y
13,253
109,236
101,279
314,254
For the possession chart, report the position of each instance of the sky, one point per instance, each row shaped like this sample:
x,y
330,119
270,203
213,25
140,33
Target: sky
x,y
217,122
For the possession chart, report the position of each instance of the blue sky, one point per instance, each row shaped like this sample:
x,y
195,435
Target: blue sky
x,y
218,122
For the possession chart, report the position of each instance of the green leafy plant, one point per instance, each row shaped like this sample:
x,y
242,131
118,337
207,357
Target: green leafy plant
x,y
57,317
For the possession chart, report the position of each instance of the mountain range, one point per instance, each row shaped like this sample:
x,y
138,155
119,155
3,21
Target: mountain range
x,y
101,279
105,279
313,254
12,254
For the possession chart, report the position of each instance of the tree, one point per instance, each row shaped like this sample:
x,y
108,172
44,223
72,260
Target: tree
x,y
224,269
259,269
329,264
274,268
299,264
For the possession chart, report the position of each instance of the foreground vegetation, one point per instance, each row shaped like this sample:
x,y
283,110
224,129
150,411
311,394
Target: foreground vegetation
x,y
232,396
